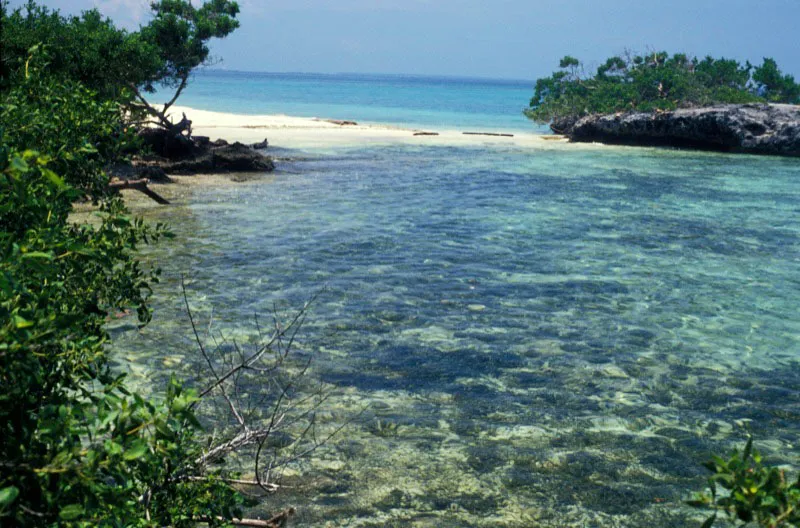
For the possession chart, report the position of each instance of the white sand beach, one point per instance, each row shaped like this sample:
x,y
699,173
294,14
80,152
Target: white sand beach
x,y
305,132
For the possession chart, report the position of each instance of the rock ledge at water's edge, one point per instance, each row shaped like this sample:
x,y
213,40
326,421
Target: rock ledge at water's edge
x,y
747,128
178,154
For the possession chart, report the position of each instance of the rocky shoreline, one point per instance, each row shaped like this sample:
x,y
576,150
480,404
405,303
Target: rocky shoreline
x,y
767,129
184,155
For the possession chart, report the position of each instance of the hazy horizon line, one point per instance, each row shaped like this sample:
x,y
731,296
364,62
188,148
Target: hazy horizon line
x,y
464,77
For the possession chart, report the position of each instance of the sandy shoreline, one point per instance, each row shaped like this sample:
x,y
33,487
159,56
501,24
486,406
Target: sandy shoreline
x,y
290,132
305,132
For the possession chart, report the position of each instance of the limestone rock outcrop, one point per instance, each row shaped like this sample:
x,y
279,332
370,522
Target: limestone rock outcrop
x,y
747,128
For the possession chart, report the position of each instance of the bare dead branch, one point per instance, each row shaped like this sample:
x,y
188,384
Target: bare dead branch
x,y
277,521
210,364
293,325
138,185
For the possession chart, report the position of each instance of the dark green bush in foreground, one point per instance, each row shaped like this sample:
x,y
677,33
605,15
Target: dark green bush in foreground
x,y
76,448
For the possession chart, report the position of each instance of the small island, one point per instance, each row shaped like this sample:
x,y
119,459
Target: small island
x,y
676,101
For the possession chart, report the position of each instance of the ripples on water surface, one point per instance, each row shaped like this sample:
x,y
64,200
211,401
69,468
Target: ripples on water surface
x,y
561,337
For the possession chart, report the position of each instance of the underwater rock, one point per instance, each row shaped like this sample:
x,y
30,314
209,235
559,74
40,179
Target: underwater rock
x,y
745,128
612,371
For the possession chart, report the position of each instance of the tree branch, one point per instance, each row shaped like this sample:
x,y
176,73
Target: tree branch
x,y
138,185
276,337
276,521
245,438
184,82
162,118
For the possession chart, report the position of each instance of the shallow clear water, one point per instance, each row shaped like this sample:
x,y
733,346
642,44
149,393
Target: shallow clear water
x,y
560,336
409,101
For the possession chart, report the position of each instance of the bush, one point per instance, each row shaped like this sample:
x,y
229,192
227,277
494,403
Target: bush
x,y
76,448
753,492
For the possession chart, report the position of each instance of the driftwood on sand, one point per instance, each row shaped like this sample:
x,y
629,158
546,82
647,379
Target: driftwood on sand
x,y
487,134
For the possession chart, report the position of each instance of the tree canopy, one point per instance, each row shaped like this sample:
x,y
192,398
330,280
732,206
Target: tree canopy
x,y
656,81
118,64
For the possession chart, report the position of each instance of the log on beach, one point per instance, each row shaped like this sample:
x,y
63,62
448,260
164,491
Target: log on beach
x,y
341,122
487,134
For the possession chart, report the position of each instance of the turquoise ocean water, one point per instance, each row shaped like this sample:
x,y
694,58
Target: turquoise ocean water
x,y
534,337
402,100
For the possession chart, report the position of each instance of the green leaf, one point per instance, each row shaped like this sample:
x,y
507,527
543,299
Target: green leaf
x,y
21,322
19,165
709,522
37,254
71,512
54,178
7,496
748,448
136,452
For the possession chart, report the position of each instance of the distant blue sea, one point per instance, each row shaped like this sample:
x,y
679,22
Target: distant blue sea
x,y
552,336
403,100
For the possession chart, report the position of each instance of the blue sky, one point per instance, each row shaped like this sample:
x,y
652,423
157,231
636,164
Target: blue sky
x,y
516,39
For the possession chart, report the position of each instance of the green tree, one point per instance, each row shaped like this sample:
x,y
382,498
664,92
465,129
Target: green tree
x,y
87,49
76,448
119,65
774,85
181,32
654,82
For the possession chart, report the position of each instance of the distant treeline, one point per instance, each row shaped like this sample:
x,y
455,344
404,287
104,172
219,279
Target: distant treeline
x,y
656,81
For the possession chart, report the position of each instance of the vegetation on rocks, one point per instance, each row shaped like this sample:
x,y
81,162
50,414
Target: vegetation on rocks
x,y
655,82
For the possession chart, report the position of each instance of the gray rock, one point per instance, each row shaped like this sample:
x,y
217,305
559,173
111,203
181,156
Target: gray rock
x,y
748,128
260,145
227,158
239,157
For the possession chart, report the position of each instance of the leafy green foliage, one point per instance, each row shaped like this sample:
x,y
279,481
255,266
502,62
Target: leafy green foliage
x,y
774,85
180,32
87,49
752,492
117,64
656,82
81,134
76,448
